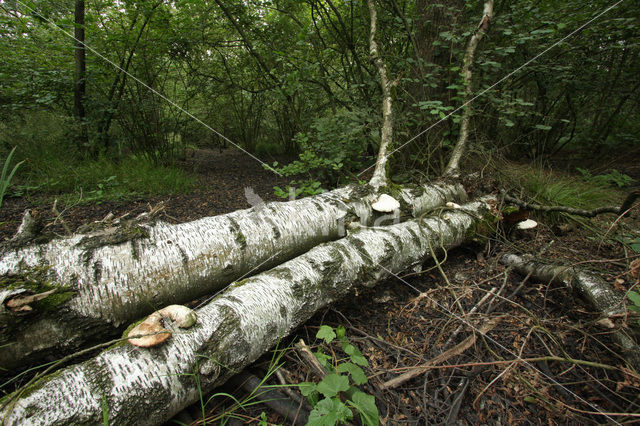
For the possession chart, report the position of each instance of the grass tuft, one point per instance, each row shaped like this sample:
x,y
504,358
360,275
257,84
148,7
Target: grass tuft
x,y
550,188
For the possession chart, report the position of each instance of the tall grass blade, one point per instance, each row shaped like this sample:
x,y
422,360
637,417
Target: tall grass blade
x,y
4,179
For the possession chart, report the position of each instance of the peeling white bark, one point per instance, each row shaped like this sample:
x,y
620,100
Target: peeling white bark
x,y
115,284
148,386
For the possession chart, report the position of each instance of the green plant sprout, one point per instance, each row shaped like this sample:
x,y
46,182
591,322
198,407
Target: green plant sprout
x,y
338,390
4,179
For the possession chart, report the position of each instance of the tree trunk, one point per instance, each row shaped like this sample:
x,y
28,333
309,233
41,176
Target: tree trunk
x,y
148,386
79,77
111,277
452,168
379,177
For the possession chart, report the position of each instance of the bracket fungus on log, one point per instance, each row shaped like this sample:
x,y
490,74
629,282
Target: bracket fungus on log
x,y
526,224
151,331
385,204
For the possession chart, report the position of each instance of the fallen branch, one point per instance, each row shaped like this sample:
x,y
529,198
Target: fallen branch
x,y
293,413
310,359
112,276
456,350
597,294
622,210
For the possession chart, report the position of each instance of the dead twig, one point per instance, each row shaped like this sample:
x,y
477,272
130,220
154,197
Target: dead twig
x,y
563,209
456,350
55,211
310,359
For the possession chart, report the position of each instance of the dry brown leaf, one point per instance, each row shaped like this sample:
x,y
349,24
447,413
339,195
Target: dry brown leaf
x,y
606,323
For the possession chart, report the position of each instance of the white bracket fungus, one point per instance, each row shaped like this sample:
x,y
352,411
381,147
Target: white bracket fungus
x,y
385,204
527,224
152,331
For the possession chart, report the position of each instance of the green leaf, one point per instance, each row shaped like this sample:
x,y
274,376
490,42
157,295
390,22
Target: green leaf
x,y
309,390
324,359
634,296
332,384
341,332
357,375
355,354
326,333
366,406
542,127
328,412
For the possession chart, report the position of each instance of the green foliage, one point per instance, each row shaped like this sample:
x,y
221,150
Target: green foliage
x,y
5,179
613,178
549,188
268,149
333,148
339,397
563,100
53,163
307,85
634,298
298,188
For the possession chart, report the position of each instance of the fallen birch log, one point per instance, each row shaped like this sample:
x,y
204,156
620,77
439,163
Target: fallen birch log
x,y
111,277
593,290
148,386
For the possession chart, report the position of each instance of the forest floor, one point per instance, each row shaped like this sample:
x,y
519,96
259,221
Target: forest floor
x,y
511,375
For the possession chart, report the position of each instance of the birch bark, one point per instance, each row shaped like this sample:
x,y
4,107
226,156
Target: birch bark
x,y
149,386
452,168
379,177
105,281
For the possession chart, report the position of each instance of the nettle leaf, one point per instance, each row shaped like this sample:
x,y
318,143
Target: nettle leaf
x,y
357,375
355,354
328,412
326,333
332,384
366,406
341,332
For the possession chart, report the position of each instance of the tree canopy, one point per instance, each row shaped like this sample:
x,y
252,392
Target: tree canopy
x,y
278,76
